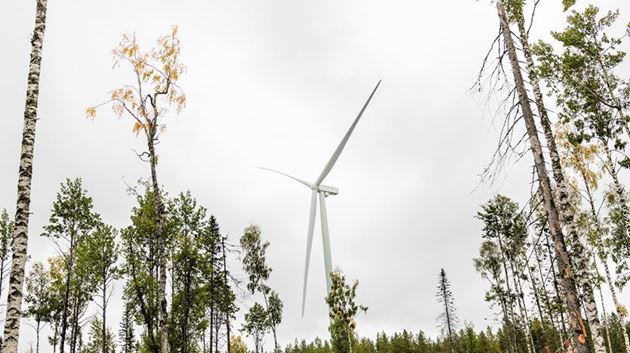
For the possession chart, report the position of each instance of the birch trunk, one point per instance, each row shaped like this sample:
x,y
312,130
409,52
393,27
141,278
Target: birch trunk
x,y
576,322
159,214
604,259
20,240
581,266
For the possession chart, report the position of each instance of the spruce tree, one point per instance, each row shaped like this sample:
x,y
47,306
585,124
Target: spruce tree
x,y
447,319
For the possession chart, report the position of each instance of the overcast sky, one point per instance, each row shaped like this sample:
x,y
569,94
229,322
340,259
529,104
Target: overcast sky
x,y
277,83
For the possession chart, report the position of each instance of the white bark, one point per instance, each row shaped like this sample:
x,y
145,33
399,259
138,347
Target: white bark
x,y
16,277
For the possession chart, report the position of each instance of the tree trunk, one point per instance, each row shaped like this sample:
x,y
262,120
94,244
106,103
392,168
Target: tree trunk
x,y
447,312
37,330
225,279
581,267
560,327
576,321
55,334
66,296
510,301
212,320
159,213
104,321
20,239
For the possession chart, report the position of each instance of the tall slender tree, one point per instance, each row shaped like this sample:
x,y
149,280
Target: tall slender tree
x,y
254,264
100,253
25,174
6,239
342,310
126,334
447,319
38,299
563,260
157,73
71,222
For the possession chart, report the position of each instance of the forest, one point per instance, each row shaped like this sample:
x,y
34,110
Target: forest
x,y
554,266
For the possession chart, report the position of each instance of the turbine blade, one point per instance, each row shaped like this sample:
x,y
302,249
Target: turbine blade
x,y
309,243
288,176
335,156
325,240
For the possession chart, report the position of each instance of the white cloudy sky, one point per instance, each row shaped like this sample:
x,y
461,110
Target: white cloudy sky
x,y
276,83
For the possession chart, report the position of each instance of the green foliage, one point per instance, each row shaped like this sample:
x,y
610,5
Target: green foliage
x,y
342,310
71,224
465,341
6,239
140,266
126,333
72,215
192,264
582,77
98,338
256,325
40,300
254,264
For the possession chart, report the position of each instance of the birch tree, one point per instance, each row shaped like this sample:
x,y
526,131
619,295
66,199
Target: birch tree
x,y
38,299
25,174
146,102
254,264
576,321
72,220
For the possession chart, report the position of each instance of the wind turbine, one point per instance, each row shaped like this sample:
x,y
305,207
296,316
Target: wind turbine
x,y
318,190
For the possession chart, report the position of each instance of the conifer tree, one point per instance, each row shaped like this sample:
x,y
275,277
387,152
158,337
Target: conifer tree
x,y
126,333
447,319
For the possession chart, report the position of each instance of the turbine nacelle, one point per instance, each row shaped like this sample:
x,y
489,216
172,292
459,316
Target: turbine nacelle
x,y
327,190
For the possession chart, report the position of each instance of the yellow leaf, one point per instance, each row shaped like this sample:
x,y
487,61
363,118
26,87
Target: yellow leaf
x,y
90,112
137,127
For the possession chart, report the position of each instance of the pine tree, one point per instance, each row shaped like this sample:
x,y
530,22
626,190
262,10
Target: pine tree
x,y
448,319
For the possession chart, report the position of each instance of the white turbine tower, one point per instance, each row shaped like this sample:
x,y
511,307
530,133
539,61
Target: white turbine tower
x,y
317,189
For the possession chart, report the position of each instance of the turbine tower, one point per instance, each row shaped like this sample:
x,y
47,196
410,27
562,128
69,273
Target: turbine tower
x,y
318,190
